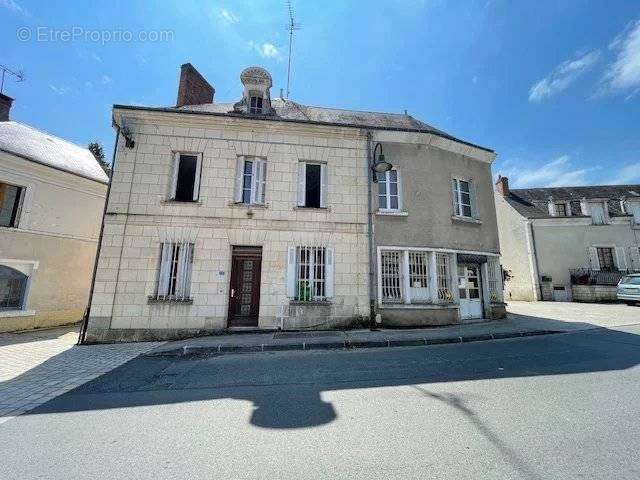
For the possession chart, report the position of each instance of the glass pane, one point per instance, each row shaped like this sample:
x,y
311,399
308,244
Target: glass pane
x,y
248,166
12,283
463,293
394,202
466,199
393,188
466,210
380,176
464,186
382,201
382,188
393,175
9,199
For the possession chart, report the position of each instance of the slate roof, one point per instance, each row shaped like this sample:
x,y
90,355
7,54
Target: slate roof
x,y
27,142
532,202
291,111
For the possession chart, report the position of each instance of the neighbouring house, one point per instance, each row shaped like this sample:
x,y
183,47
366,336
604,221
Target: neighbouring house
x,y
568,243
52,194
255,215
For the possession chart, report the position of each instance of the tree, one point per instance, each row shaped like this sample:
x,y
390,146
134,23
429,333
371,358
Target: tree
x,y
98,152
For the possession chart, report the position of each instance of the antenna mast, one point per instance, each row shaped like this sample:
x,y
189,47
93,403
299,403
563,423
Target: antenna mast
x,y
291,26
19,76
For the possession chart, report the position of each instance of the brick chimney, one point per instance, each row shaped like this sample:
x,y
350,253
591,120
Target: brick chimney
x,y
5,107
193,88
502,185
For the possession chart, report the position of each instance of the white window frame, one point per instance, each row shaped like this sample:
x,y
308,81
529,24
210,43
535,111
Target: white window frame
x,y
17,205
293,273
619,257
302,183
387,195
259,97
632,207
28,268
176,267
457,198
176,167
257,195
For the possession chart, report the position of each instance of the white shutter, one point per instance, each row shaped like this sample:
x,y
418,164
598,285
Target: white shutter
x,y
196,182
302,171
187,270
328,272
584,206
593,258
553,211
634,255
621,258
474,199
323,185
165,268
262,181
254,181
291,272
239,179
174,179
454,196
180,274
399,180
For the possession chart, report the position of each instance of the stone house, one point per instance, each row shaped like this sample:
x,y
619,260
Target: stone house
x,y
255,214
568,243
52,194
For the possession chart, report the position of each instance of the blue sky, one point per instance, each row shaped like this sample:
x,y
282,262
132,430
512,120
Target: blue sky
x,y
552,86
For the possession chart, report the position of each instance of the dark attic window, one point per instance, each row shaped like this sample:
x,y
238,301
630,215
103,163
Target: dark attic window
x,y
255,105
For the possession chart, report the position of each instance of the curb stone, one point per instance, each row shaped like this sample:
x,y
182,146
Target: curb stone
x,y
222,349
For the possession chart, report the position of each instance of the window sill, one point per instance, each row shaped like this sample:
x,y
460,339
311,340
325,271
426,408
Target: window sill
x,y
384,213
317,209
152,299
196,203
248,205
473,221
310,303
17,313
417,306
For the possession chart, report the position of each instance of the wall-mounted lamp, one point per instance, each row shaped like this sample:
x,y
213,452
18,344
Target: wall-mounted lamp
x,y
380,165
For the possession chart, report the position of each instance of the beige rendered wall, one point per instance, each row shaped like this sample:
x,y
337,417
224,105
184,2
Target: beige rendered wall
x,y
129,259
57,233
426,174
514,246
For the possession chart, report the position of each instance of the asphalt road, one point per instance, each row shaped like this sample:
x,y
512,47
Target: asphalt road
x,y
556,407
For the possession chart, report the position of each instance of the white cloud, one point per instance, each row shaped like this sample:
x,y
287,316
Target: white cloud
x,y
623,75
626,175
14,7
106,80
562,76
267,50
59,90
229,16
474,79
557,172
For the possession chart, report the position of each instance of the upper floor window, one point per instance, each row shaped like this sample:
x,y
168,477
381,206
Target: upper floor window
x,y
255,104
599,213
632,207
561,209
463,198
312,185
186,177
10,199
251,174
389,191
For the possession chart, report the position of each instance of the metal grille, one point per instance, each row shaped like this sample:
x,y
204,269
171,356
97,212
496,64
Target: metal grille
x,y
442,270
311,277
391,276
174,280
419,276
494,280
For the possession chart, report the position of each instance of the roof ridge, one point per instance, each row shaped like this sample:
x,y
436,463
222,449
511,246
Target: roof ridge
x,y
578,186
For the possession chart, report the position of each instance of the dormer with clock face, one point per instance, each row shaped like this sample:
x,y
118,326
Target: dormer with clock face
x,y
256,97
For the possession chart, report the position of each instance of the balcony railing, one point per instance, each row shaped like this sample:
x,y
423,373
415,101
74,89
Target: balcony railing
x,y
588,276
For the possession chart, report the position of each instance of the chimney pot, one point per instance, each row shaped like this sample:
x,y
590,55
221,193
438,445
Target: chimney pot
x,y
5,107
502,185
193,88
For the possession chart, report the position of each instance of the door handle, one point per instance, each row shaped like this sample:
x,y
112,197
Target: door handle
x,y
233,292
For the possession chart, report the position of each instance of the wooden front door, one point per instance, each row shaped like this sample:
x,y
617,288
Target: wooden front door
x,y
244,289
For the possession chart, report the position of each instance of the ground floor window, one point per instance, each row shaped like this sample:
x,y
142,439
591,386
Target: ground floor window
x,y
13,285
494,273
174,278
605,258
310,273
415,276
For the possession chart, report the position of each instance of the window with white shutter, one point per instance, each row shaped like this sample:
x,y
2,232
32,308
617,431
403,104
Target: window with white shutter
x,y
312,185
174,278
186,177
251,176
310,273
464,201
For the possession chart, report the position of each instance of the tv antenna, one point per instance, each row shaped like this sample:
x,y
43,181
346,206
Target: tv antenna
x,y
291,26
19,76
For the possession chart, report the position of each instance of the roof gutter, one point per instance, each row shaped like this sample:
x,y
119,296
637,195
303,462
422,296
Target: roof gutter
x,y
307,122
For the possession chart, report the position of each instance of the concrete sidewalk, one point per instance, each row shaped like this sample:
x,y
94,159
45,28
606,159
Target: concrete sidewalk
x,y
512,327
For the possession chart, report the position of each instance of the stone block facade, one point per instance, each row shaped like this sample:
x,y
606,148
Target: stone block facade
x,y
140,217
593,293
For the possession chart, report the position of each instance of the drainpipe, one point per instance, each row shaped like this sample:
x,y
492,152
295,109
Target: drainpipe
x,y
533,260
87,311
372,259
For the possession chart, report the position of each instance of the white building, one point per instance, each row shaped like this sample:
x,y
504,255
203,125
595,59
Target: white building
x,y
568,243
51,200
